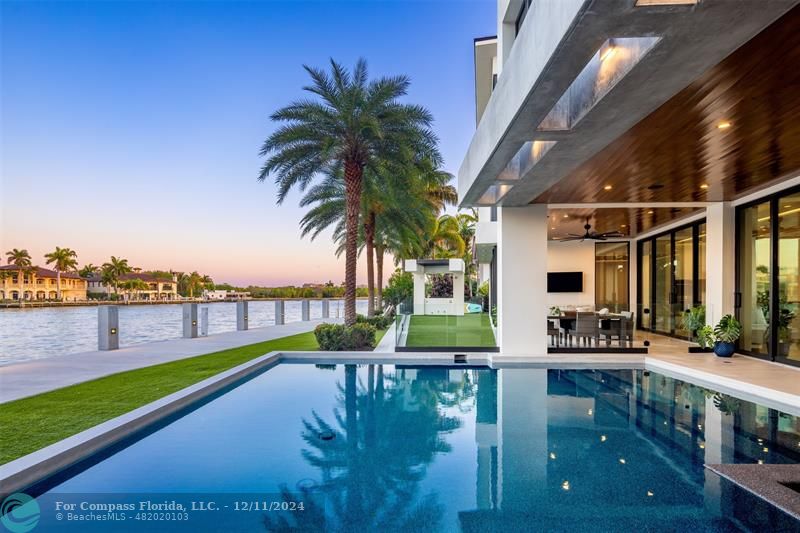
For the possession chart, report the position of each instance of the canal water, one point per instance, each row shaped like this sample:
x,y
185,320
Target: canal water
x,y
37,333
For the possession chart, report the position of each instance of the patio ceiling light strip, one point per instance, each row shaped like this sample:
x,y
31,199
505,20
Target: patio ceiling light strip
x,y
609,64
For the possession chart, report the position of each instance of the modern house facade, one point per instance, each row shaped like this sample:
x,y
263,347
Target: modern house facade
x,y
673,126
37,283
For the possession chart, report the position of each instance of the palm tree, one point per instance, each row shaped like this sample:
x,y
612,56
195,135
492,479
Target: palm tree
x,y
444,238
113,270
20,258
191,282
353,123
134,286
88,270
63,260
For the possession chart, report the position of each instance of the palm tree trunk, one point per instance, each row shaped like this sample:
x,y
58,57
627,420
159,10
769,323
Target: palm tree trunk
x,y
352,187
58,284
369,237
379,252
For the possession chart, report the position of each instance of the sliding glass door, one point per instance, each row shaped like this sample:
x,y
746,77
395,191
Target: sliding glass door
x,y
768,277
671,278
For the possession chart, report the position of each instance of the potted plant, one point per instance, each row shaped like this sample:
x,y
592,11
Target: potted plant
x,y
705,338
726,333
693,321
554,311
785,318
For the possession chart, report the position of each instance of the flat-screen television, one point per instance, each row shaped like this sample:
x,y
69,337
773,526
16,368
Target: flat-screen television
x,y
565,282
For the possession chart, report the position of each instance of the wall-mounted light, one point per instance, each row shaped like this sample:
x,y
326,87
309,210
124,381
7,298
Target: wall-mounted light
x,y
608,187
724,125
113,331
194,322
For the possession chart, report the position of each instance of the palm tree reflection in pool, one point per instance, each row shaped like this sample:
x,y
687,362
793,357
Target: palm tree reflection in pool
x,y
391,430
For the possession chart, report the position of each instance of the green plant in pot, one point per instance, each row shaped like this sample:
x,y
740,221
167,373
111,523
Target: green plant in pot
x,y
693,320
705,337
726,333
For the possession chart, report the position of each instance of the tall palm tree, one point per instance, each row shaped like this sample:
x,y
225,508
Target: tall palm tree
x,y
352,123
20,258
113,270
191,282
88,270
63,260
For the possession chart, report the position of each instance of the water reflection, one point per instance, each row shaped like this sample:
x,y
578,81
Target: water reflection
x,y
373,454
562,449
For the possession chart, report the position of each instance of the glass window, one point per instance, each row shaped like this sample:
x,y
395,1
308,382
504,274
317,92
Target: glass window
x,y
787,321
683,297
701,264
754,277
645,291
611,276
662,320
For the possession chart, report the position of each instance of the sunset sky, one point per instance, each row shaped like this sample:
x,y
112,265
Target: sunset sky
x,y
133,129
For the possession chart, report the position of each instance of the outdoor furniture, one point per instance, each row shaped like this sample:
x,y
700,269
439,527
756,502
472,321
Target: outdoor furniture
x,y
554,330
618,327
586,328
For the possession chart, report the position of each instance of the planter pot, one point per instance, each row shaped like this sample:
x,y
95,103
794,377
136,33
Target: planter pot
x,y
724,349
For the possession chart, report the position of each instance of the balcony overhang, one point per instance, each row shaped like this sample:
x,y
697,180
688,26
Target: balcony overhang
x,y
553,94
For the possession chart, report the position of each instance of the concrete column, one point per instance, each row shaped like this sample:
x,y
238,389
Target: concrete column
x,y
204,321
189,321
305,310
279,318
107,327
419,293
326,308
241,315
522,280
720,260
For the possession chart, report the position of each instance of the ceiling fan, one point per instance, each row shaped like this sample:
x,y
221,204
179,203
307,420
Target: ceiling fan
x,y
592,235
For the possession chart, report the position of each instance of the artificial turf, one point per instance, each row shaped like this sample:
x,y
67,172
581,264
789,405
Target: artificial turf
x,y
29,424
443,330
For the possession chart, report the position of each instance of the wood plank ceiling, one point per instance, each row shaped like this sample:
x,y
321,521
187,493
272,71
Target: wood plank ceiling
x,y
735,129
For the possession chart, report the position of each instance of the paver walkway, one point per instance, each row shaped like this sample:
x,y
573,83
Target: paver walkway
x,y
33,377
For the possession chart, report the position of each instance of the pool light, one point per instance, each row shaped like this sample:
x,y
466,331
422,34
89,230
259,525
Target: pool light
x,y
649,492
603,439
552,455
622,460
565,485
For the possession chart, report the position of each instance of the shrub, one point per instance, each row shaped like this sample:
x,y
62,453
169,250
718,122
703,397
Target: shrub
x,y
338,337
399,289
378,322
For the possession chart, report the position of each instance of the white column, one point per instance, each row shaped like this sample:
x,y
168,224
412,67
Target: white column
x,y
419,292
326,309
458,293
279,312
305,310
522,280
720,260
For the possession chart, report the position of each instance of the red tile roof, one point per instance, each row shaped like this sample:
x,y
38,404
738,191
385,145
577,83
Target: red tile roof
x,y
43,272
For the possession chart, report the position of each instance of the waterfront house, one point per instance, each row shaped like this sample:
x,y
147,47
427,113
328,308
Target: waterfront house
x,y
650,148
160,287
37,283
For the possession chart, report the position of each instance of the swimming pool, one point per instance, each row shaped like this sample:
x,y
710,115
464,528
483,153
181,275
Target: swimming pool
x,y
388,448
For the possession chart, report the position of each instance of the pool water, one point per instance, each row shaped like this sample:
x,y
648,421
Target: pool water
x,y
390,448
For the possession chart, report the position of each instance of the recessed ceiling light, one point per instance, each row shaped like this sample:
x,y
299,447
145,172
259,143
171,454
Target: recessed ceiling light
x,y
787,206
724,125
704,186
553,227
649,212
608,187
622,225
566,216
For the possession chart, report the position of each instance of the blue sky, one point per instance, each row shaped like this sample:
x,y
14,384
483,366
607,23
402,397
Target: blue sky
x,y
133,128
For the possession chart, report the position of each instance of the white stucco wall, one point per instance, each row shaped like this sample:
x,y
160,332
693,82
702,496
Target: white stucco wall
x,y
572,257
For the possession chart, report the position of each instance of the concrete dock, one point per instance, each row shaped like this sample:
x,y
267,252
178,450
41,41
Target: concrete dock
x,y
34,377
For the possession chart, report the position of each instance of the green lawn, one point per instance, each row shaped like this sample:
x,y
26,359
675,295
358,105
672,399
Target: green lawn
x,y
467,330
29,424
